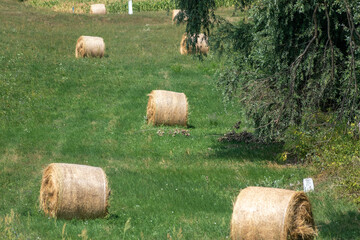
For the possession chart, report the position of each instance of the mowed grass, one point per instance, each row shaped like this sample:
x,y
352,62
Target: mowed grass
x,y
55,108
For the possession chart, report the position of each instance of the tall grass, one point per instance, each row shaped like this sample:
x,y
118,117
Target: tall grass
x,y
55,108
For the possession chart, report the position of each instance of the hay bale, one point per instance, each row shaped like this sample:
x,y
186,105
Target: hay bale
x,y
175,12
201,45
97,9
183,49
88,46
168,108
270,213
74,191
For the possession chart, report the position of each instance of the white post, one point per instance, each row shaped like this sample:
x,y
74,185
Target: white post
x,y
308,185
130,7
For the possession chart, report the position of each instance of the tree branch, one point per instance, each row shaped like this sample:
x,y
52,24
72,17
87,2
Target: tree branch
x,y
295,64
352,49
330,41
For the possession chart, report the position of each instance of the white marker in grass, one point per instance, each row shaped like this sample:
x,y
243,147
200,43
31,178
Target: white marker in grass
x,y
308,185
130,7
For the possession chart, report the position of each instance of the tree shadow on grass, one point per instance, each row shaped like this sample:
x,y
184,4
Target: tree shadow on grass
x,y
112,216
254,152
344,226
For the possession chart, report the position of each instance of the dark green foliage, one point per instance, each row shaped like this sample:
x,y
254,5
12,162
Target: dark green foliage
x,y
290,66
290,63
243,4
331,146
200,14
292,58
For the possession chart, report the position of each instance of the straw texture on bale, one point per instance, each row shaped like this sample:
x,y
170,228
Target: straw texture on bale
x,y
168,108
201,45
88,46
98,9
272,214
74,191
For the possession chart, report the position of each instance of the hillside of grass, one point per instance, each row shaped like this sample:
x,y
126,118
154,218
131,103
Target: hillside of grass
x,y
55,108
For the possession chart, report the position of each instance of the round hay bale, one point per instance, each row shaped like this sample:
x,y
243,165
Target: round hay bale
x,y
88,46
166,107
74,191
98,9
271,213
201,45
183,49
175,12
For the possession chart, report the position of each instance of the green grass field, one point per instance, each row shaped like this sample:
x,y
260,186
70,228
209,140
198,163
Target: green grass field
x,y
55,108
